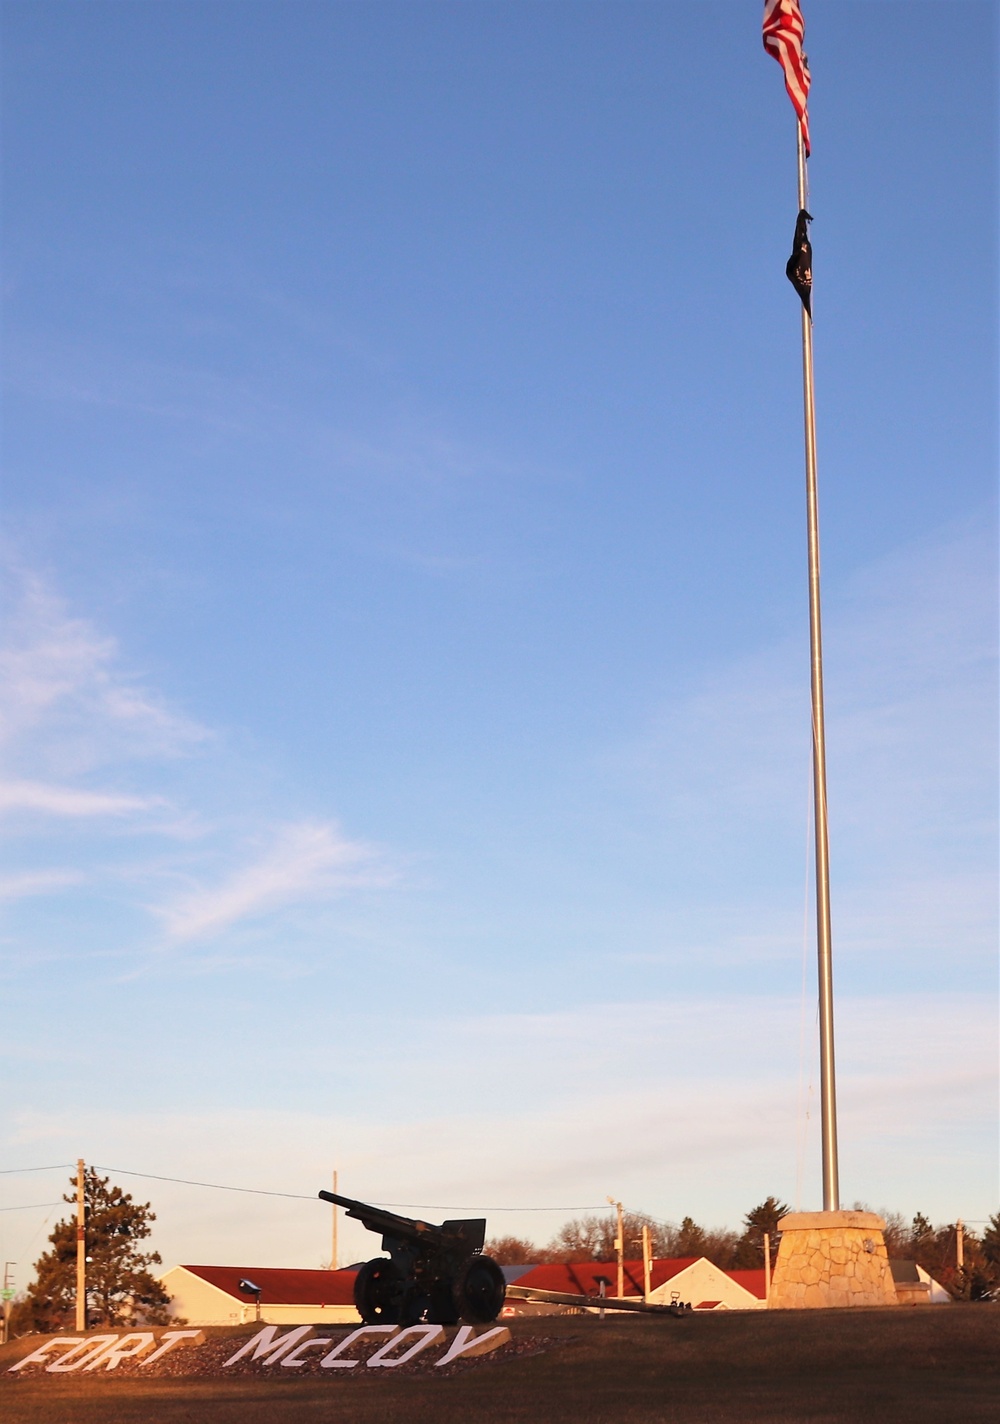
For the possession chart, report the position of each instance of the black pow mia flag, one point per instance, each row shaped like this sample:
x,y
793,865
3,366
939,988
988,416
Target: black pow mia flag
x,y
799,267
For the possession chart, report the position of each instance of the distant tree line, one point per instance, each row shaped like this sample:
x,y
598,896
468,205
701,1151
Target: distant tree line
x,y
591,1238
936,1249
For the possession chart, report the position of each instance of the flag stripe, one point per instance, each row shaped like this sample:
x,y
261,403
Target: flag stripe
x,y
784,35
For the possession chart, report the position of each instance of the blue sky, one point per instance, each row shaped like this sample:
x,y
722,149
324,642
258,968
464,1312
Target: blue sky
x,y
406,659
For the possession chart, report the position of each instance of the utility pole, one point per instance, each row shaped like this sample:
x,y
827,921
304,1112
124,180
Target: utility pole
x,y
620,1245
81,1249
959,1245
334,1258
767,1267
8,1294
647,1263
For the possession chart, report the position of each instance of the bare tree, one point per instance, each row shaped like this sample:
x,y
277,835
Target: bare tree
x,y
512,1250
592,1238
581,1239
896,1233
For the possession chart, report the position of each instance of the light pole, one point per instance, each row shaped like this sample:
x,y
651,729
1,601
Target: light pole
x,y
81,1248
620,1245
8,1296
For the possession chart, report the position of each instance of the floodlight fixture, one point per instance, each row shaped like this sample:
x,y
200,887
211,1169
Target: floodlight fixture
x,y
248,1287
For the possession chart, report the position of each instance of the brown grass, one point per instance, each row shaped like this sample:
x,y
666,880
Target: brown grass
x,y
866,1366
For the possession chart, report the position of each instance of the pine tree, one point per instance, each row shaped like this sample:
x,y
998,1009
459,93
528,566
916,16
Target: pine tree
x,y
991,1244
690,1238
987,1286
120,1288
749,1252
921,1235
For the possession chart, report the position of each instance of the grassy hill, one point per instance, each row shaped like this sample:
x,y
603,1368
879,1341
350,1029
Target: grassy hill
x,y
883,1366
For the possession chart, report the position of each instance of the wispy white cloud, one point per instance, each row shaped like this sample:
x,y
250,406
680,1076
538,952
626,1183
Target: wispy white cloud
x,y
74,717
65,698
69,801
69,709
38,882
308,860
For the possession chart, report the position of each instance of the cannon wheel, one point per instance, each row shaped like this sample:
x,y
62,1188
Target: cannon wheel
x,y
378,1290
479,1290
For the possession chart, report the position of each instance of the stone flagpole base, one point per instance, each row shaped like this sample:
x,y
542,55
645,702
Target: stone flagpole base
x,y
831,1258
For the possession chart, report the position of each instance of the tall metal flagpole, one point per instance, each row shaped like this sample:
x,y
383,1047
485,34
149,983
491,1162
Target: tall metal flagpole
x,y
828,1091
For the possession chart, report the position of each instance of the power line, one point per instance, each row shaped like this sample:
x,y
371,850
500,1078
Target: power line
x,y
212,1186
300,1196
59,1167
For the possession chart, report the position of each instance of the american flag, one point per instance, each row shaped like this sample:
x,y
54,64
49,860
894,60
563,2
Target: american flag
x,y
784,33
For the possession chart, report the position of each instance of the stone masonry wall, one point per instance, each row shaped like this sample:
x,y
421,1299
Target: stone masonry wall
x,y
828,1258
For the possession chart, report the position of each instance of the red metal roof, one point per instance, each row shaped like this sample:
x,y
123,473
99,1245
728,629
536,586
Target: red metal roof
x,y
753,1281
281,1287
294,1287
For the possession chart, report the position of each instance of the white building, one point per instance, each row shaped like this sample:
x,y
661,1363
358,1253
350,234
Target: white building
x,y
708,1287
233,1295
685,1280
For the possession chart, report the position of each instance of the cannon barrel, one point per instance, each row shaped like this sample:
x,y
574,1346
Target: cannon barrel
x,y
465,1236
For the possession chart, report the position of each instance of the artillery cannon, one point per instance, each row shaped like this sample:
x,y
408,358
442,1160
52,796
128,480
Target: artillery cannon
x,y
433,1273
